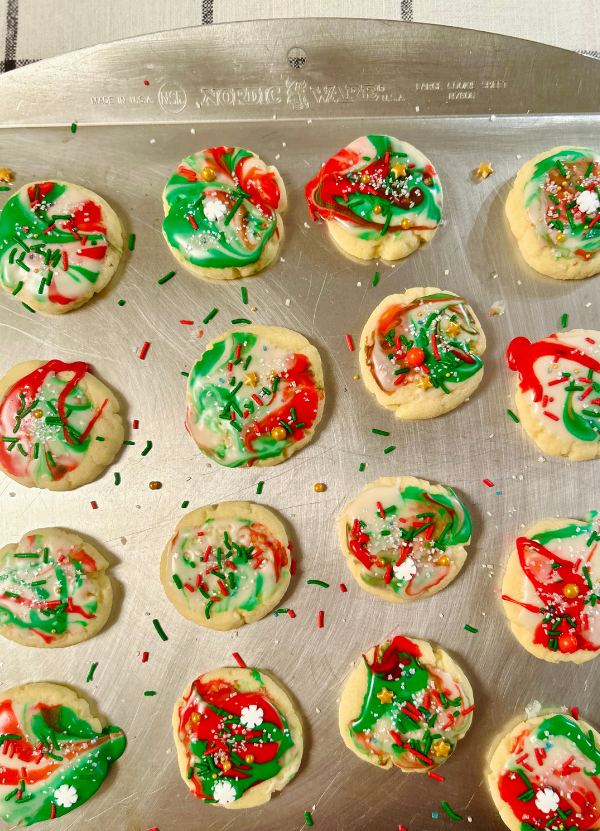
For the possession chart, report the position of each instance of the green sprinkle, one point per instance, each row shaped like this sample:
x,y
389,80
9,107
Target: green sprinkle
x,y
117,478
11,794
390,448
471,629
11,594
18,288
287,426
4,187
38,583
308,819
166,277
513,416
210,316
452,814
561,168
186,374
100,438
586,574
259,487
121,303
185,503
131,242
149,692
207,609
147,448
29,309
564,320
73,127
380,432
26,555
376,278
240,320
128,442
244,291
160,630
232,212
318,583
90,674
361,466
177,581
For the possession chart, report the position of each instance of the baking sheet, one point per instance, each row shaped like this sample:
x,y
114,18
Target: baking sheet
x,y
329,295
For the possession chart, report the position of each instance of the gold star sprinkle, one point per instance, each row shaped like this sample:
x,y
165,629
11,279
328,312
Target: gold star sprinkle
x,y
424,383
399,170
251,379
453,329
441,748
6,175
484,170
385,696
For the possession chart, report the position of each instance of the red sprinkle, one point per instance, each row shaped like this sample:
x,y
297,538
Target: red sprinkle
x,y
53,814
320,619
388,573
350,344
144,657
380,510
256,399
144,350
575,713
239,660
207,553
586,393
189,588
488,483
223,588
435,776
540,755
468,710
293,567
193,223
589,340
49,228
435,347
146,83
136,424
94,505
550,415
238,349
558,381
65,259
187,322
291,613
343,588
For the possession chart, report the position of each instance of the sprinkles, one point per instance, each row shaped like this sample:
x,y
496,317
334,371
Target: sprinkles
x,y
471,629
318,583
320,619
513,416
452,814
166,278
239,660
144,350
90,674
350,343
160,630
147,448
210,316
308,819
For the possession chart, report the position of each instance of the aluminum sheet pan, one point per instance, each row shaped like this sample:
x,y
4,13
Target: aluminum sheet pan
x,y
378,74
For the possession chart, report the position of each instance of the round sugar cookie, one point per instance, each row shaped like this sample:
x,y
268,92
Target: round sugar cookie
x,y
558,390
379,196
255,396
223,213
551,587
226,565
56,753
238,737
50,417
403,538
552,209
53,589
544,775
59,245
420,352
398,697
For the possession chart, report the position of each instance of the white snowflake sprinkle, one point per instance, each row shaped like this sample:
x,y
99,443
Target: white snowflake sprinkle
x,y
252,716
588,202
547,800
405,570
65,796
214,209
224,792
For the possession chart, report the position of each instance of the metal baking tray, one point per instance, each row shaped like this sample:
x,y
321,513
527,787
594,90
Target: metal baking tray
x,y
296,91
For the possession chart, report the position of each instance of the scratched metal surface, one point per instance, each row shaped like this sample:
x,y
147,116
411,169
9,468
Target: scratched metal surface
x,y
126,158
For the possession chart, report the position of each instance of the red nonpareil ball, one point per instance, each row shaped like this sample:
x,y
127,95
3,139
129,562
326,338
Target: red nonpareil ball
x,y
415,356
567,643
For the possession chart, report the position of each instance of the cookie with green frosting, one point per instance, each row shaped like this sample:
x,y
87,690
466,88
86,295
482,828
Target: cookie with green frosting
x,y
60,244
53,589
551,589
238,737
379,196
554,212
420,352
226,565
545,774
405,705
223,211
255,396
55,753
59,425
404,538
